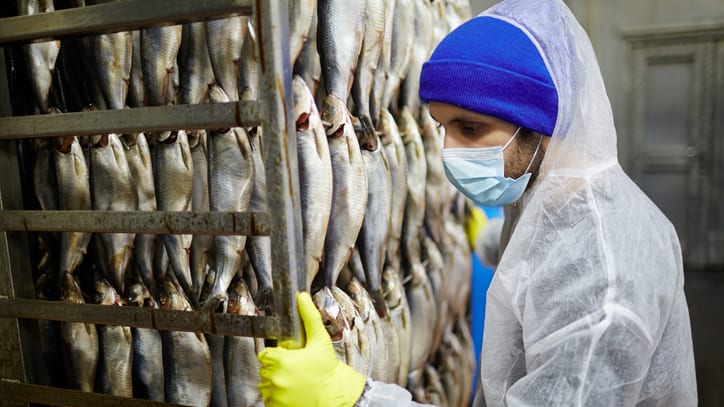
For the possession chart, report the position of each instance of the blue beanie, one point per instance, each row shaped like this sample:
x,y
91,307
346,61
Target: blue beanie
x,y
489,66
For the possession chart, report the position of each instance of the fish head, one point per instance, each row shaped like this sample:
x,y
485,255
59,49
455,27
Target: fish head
x,y
217,95
70,289
140,296
392,287
360,298
172,297
332,314
335,116
105,294
240,299
44,286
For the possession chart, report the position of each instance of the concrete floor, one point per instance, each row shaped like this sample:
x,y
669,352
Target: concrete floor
x,y
705,295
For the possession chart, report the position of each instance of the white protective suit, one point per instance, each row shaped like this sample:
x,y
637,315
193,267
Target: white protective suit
x,y
587,305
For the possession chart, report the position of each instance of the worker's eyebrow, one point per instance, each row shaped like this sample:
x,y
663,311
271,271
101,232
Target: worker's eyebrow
x,y
468,119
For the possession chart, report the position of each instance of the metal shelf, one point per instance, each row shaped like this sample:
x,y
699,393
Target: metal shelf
x,y
116,16
161,222
12,390
282,221
133,120
139,317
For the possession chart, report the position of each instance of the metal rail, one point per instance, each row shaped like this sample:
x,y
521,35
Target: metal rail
x,y
116,16
134,120
13,390
161,222
139,317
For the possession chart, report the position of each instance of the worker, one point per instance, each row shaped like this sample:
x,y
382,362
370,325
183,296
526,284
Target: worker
x,y
587,305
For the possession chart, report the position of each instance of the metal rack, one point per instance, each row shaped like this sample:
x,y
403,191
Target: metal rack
x,y
19,312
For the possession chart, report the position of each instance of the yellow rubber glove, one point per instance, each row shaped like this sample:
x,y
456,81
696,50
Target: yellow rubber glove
x,y
312,375
476,223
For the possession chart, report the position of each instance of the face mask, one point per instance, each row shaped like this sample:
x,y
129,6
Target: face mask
x,y
479,173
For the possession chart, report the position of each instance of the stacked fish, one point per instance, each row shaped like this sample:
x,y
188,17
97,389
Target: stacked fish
x,y
385,253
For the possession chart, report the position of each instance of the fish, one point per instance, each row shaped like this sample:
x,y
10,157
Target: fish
x,y
258,248
399,312
416,179
173,174
315,176
374,30
357,345
435,267
402,37
241,365
115,347
148,378
218,383
336,323
396,156
300,14
224,38
45,183
467,357
73,194
435,188
136,96
249,65
381,334
138,156
422,47
461,269
112,59
159,49
422,316
382,71
186,356
453,13
40,57
440,28
195,72
231,180
201,245
307,65
46,289
373,236
79,340
451,369
434,388
173,85
112,189
349,193
340,30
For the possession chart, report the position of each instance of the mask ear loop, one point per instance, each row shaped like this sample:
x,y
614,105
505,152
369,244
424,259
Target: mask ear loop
x,y
535,153
511,138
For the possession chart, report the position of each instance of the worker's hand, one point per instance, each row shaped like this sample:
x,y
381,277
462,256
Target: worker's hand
x,y
476,223
312,375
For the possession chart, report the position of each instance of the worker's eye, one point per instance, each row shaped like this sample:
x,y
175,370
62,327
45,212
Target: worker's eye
x,y
469,129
